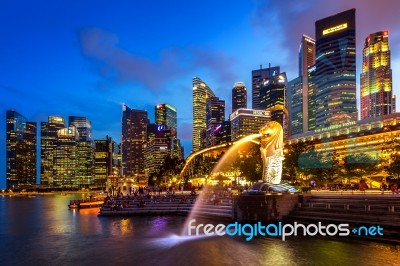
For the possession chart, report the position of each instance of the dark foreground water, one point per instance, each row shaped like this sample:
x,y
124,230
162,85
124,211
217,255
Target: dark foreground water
x,y
42,231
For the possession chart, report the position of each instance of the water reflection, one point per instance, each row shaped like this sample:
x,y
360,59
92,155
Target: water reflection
x,y
42,231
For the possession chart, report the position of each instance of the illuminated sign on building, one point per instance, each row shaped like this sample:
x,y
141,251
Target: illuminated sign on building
x,y
335,28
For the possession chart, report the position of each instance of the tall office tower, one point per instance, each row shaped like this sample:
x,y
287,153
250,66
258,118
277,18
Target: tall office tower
x,y
106,161
273,98
165,114
134,135
226,127
215,114
298,88
48,145
258,77
156,150
65,158
376,76
200,94
312,91
239,96
245,122
83,125
85,150
336,69
20,150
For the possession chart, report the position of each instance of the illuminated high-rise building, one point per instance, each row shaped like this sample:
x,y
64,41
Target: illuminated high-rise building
x,y
215,114
48,145
239,96
335,76
83,125
311,98
376,76
245,122
107,163
165,114
20,150
200,94
273,93
85,150
298,88
258,77
134,135
66,158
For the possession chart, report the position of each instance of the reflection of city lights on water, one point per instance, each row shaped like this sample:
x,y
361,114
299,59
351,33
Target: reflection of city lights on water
x,y
174,240
159,223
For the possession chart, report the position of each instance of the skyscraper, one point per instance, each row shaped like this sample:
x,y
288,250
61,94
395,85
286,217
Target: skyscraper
x,y
239,96
298,88
20,150
48,145
258,77
165,114
134,135
83,125
335,78
85,150
200,94
66,158
273,98
107,164
215,114
376,76
245,122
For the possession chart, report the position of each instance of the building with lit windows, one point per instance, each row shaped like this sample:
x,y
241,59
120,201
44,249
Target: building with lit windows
x,y
215,115
298,97
66,158
247,121
134,136
258,77
85,150
165,114
311,106
239,96
335,77
21,140
376,76
163,144
48,145
273,93
106,164
201,92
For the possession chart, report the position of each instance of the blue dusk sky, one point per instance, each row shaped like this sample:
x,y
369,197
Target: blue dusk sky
x,y
87,58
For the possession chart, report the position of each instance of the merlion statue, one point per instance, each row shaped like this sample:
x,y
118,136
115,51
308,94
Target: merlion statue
x,y
272,152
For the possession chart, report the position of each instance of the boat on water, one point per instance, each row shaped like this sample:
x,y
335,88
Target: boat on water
x,y
93,202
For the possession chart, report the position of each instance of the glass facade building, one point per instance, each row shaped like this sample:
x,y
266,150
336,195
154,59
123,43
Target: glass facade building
x,y
165,114
239,96
335,76
215,115
48,144
21,152
258,77
247,121
201,92
376,76
134,136
298,92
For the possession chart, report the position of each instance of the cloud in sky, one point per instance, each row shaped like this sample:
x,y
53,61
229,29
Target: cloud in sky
x,y
118,65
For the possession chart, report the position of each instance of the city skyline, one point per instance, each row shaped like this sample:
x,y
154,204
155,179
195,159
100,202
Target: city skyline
x,y
88,59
